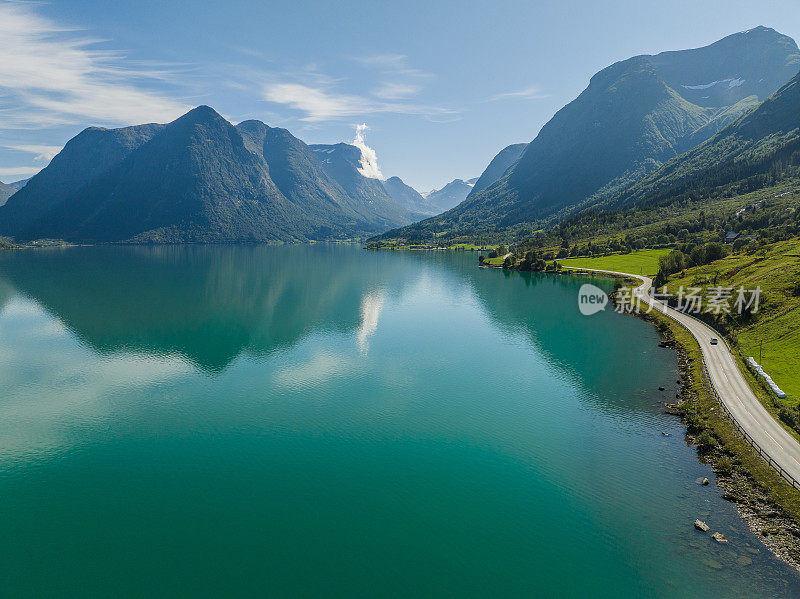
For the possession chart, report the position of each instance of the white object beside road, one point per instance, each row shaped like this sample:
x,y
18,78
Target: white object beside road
x,y
760,371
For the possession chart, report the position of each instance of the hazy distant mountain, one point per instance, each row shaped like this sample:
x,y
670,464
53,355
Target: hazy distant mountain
x,y
632,118
6,191
449,196
407,196
506,158
9,189
17,185
197,179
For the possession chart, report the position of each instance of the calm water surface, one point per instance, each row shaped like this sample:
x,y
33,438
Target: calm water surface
x,y
326,421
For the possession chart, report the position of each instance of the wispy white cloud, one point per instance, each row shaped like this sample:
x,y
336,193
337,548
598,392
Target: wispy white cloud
x,y
529,93
317,103
317,95
51,75
393,61
396,91
320,104
42,152
249,51
397,64
19,171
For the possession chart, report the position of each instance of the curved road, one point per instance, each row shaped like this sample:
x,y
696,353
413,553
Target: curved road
x,y
731,386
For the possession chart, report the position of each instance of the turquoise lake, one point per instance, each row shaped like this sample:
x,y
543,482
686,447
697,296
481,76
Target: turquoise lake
x,y
324,421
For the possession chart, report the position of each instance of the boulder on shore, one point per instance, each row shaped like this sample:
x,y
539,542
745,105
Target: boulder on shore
x,y
700,525
719,537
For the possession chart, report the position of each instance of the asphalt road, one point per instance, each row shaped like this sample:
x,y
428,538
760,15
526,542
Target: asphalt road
x,y
731,386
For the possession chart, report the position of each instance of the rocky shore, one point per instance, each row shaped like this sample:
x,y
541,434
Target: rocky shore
x,y
777,529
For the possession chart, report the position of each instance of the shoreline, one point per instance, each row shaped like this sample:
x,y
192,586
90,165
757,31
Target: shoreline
x,y
746,480
765,516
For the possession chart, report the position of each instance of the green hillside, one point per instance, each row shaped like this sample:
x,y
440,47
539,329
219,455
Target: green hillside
x,y
759,149
775,330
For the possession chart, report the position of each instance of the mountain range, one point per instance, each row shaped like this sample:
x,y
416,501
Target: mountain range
x,y
433,202
6,191
408,197
450,195
9,189
200,179
634,117
342,162
646,130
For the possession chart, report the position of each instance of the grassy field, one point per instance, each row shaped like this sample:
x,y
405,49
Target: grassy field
x,y
495,261
641,262
776,329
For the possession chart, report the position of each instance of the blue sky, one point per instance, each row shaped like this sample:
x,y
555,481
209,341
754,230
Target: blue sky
x,y
442,86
